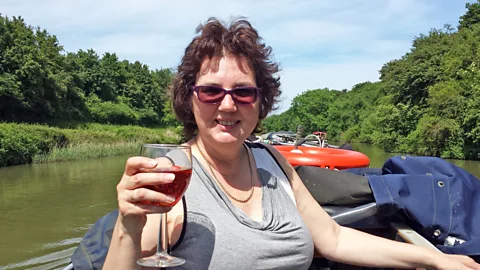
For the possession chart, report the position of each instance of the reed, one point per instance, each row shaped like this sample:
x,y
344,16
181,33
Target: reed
x,y
86,151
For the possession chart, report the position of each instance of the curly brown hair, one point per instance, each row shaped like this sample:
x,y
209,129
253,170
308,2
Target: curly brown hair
x,y
215,39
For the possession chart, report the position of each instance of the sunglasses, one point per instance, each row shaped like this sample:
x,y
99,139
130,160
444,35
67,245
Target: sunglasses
x,y
210,94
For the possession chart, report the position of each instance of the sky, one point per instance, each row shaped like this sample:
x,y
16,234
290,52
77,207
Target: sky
x,y
318,43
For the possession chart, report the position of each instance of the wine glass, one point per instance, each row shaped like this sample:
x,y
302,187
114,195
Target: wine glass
x,y
176,159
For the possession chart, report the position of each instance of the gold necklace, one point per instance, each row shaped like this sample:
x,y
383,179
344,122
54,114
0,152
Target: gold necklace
x,y
220,183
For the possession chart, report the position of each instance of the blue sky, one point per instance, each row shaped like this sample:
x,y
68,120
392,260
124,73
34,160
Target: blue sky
x,y
334,44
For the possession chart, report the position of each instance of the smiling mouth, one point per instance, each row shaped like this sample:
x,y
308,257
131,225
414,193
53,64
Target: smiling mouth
x,y
227,123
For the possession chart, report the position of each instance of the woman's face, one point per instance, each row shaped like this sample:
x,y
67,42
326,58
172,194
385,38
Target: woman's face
x,y
226,121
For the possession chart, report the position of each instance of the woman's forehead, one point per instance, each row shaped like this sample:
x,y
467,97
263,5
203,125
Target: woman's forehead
x,y
222,66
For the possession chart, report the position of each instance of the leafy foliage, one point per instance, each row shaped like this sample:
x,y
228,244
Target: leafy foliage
x,y
471,17
40,83
19,143
426,103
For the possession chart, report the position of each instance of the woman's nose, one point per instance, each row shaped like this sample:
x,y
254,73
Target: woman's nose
x,y
228,104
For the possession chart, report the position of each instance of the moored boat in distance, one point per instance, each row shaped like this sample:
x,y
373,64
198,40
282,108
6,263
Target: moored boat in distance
x,y
316,139
313,150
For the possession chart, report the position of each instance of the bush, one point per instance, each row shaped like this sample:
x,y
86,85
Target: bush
x,y
352,134
112,113
436,136
20,143
148,117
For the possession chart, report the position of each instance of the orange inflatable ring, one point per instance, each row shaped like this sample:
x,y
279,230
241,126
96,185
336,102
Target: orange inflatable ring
x,y
330,158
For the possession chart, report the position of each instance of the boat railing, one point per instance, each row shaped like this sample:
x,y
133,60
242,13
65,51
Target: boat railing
x,y
321,143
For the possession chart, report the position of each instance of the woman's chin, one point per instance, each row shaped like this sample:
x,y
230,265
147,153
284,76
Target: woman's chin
x,y
227,138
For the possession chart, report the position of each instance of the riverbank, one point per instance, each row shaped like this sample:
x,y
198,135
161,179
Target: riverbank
x,y
26,143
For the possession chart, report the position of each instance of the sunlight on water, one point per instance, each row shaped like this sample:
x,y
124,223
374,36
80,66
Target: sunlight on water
x,y
48,261
66,242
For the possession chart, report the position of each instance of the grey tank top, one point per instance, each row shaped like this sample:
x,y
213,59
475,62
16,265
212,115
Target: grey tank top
x,y
217,235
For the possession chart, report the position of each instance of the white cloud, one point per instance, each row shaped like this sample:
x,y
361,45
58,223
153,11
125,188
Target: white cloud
x,y
333,44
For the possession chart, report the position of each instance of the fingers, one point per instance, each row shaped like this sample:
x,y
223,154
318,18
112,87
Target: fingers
x,y
136,190
136,164
147,179
135,209
147,196
468,262
472,264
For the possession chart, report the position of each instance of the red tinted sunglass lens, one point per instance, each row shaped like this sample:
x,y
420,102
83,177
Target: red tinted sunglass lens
x,y
214,94
210,94
244,95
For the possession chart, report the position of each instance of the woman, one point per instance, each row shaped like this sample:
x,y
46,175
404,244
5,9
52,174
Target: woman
x,y
242,210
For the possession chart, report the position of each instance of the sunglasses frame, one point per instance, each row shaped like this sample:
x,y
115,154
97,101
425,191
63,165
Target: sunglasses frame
x,y
258,92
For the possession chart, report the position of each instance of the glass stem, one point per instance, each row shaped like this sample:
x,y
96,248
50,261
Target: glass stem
x,y
162,247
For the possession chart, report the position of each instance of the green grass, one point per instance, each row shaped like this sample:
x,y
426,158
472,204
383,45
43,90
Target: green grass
x,y
87,151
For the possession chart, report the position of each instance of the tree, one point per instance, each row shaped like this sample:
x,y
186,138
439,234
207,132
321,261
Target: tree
x,y
471,17
310,109
40,83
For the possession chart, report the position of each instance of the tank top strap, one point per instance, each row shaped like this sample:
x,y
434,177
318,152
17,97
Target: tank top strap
x,y
266,160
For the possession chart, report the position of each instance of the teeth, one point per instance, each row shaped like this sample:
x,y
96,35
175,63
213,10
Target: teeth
x,y
226,123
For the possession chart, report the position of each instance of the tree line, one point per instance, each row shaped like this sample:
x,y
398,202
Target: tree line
x,y
41,83
426,103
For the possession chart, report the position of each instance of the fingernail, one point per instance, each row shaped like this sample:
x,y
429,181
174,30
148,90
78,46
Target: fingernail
x,y
170,199
153,163
169,177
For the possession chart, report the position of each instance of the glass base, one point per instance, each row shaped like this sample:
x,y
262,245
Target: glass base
x,y
160,260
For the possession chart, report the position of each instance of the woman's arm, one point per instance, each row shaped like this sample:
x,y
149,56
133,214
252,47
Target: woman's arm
x,y
124,248
353,247
132,223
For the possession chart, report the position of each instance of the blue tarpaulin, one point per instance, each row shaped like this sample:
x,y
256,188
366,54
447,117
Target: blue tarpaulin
x,y
443,200
92,250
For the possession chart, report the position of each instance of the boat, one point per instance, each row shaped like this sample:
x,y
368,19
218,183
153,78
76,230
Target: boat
x,y
313,150
316,139
278,137
381,201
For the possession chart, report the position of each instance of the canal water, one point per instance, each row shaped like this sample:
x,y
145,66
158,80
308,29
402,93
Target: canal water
x,y
45,209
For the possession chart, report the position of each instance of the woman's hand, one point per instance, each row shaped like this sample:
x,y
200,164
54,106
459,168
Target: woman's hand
x,y
455,262
135,201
